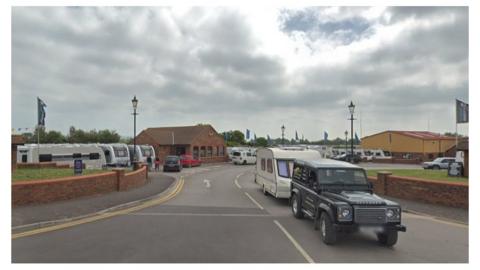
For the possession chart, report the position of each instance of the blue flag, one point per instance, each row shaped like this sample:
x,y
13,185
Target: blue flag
x,y
247,136
268,139
357,140
296,136
41,112
325,136
254,137
462,112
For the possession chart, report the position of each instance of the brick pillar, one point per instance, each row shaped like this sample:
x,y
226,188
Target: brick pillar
x,y
146,170
120,175
381,187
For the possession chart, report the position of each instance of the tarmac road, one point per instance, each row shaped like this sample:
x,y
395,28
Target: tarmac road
x,y
222,216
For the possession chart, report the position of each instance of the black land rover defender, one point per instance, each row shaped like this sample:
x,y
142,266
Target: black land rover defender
x,y
339,198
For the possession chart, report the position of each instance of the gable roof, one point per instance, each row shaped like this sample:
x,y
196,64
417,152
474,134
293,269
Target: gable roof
x,y
423,135
181,135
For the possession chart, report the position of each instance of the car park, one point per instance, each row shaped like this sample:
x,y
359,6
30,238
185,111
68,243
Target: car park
x,y
172,163
338,197
189,161
438,163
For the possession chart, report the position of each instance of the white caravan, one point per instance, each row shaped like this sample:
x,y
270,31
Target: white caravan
x,y
116,154
274,168
380,154
91,155
244,157
143,152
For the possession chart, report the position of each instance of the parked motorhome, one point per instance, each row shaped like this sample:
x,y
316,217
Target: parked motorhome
x,y
244,157
92,155
143,152
274,168
116,154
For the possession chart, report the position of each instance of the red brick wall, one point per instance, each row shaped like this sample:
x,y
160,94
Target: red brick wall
x,y
436,192
44,191
210,138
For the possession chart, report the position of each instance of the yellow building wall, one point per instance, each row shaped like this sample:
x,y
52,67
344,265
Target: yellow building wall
x,y
405,144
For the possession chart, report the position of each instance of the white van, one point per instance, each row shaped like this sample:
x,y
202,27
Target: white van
x,y
274,168
380,154
91,155
116,154
244,157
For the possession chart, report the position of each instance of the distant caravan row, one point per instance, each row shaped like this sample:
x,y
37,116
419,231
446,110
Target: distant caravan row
x,y
94,156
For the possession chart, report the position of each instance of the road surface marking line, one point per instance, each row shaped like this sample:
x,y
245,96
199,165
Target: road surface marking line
x,y
434,219
253,200
175,192
198,214
294,242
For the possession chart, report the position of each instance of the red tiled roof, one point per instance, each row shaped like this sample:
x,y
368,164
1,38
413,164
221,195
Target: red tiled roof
x,y
181,135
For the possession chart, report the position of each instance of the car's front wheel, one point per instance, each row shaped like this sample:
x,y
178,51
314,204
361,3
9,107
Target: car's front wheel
x,y
296,207
327,231
436,167
388,238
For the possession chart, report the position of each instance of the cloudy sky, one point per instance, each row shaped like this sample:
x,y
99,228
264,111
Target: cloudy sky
x,y
239,68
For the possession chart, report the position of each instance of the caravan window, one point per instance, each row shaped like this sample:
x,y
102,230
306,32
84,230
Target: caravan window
x,y
45,157
283,168
263,164
269,165
120,151
94,156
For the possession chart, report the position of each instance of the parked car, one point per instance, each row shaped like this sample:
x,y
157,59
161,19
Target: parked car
x,y
338,197
438,163
348,157
172,163
189,161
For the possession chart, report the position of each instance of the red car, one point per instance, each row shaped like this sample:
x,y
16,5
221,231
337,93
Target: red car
x,y
189,161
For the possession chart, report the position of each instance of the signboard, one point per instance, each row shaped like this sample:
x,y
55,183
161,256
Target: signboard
x,y
77,166
455,169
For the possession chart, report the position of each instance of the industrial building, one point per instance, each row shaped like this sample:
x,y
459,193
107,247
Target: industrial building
x,y
201,141
416,145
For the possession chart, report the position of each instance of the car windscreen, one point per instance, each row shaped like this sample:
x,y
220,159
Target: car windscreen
x,y
335,176
237,154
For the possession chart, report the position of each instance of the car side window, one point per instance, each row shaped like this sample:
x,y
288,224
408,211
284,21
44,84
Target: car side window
x,y
297,172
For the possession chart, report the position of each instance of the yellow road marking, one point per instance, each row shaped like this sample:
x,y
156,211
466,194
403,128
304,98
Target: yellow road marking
x,y
175,192
295,243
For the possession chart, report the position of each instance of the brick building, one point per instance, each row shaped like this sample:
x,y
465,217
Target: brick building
x,y
201,141
419,145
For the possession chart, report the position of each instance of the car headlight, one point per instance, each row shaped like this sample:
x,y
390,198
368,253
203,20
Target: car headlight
x,y
393,214
344,213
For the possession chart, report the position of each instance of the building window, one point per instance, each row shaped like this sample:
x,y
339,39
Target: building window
x,y
202,151
269,165
195,152
220,151
209,151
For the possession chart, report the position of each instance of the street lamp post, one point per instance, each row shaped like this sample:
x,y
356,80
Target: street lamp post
x,y
283,134
346,145
351,108
134,103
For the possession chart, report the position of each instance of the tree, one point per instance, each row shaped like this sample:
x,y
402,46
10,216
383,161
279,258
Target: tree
x,y
54,137
261,141
235,138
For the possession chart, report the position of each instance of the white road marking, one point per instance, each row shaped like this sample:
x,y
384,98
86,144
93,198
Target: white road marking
x,y
295,243
253,200
199,214
207,183
236,181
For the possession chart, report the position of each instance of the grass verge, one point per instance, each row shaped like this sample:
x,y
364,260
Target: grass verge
x,y
436,175
47,173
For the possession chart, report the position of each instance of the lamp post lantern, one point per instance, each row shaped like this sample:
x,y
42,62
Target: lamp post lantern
x,y
351,108
283,134
134,104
